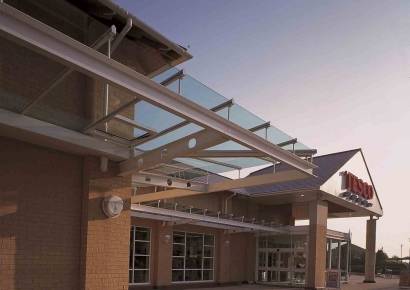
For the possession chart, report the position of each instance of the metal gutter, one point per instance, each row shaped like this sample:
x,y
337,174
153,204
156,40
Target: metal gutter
x,y
185,55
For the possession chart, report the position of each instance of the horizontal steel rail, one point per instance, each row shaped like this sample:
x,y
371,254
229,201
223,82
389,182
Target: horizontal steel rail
x,y
200,218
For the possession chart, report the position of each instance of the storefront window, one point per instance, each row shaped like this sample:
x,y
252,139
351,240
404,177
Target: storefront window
x,y
140,249
192,257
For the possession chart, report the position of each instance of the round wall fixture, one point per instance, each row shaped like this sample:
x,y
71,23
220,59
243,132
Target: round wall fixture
x,y
112,206
191,143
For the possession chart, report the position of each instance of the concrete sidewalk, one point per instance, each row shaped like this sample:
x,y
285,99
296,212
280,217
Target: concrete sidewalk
x,y
355,283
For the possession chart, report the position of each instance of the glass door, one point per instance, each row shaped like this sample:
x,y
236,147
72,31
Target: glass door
x,y
280,261
272,265
285,265
299,267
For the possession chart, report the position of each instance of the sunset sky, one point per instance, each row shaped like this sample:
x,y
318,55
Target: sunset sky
x,y
335,74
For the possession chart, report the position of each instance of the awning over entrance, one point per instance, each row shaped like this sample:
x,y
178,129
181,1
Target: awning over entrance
x,y
342,178
181,215
165,131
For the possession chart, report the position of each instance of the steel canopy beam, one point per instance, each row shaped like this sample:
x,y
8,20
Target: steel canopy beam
x,y
167,181
55,44
257,180
165,154
46,134
250,181
165,194
111,115
225,153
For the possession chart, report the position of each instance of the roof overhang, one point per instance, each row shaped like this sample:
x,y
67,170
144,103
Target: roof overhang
x,y
338,208
107,12
304,230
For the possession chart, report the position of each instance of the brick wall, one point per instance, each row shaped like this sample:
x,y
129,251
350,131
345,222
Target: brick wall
x,y
105,241
40,217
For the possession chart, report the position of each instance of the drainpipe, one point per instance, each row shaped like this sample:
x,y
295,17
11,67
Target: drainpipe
x,y
226,201
110,49
122,34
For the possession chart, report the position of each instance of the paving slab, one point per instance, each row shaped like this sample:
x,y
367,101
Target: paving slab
x,y
355,283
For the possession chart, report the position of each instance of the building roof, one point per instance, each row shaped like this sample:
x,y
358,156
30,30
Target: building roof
x,y
327,166
108,12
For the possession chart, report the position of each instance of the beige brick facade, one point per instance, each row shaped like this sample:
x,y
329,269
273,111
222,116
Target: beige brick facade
x,y
40,217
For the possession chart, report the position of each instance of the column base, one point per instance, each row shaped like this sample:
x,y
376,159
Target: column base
x,y
369,281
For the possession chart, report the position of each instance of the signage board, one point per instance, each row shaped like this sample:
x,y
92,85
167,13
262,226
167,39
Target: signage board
x,y
357,186
356,190
333,279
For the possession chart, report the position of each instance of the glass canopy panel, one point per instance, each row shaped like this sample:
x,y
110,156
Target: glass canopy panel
x,y
204,166
239,162
153,117
178,170
276,136
244,118
200,93
297,146
229,145
119,129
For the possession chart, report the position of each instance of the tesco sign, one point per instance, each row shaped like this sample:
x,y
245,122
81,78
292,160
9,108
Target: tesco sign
x,y
357,186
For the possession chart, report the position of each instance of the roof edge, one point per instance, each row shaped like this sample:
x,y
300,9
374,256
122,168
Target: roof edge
x,y
148,29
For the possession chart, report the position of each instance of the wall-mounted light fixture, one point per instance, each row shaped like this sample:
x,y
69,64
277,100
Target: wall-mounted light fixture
x,y
112,206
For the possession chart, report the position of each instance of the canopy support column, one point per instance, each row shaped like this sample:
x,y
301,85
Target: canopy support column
x,y
318,212
370,260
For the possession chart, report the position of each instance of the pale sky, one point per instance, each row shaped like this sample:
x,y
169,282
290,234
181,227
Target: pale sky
x,y
334,74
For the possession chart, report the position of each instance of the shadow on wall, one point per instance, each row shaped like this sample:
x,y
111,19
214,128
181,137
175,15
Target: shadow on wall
x,y
40,217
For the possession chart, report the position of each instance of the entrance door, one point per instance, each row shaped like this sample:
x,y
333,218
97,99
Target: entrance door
x,y
272,265
285,265
275,266
280,263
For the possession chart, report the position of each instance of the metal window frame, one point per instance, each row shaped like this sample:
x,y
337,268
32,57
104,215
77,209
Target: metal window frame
x,y
134,255
202,259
